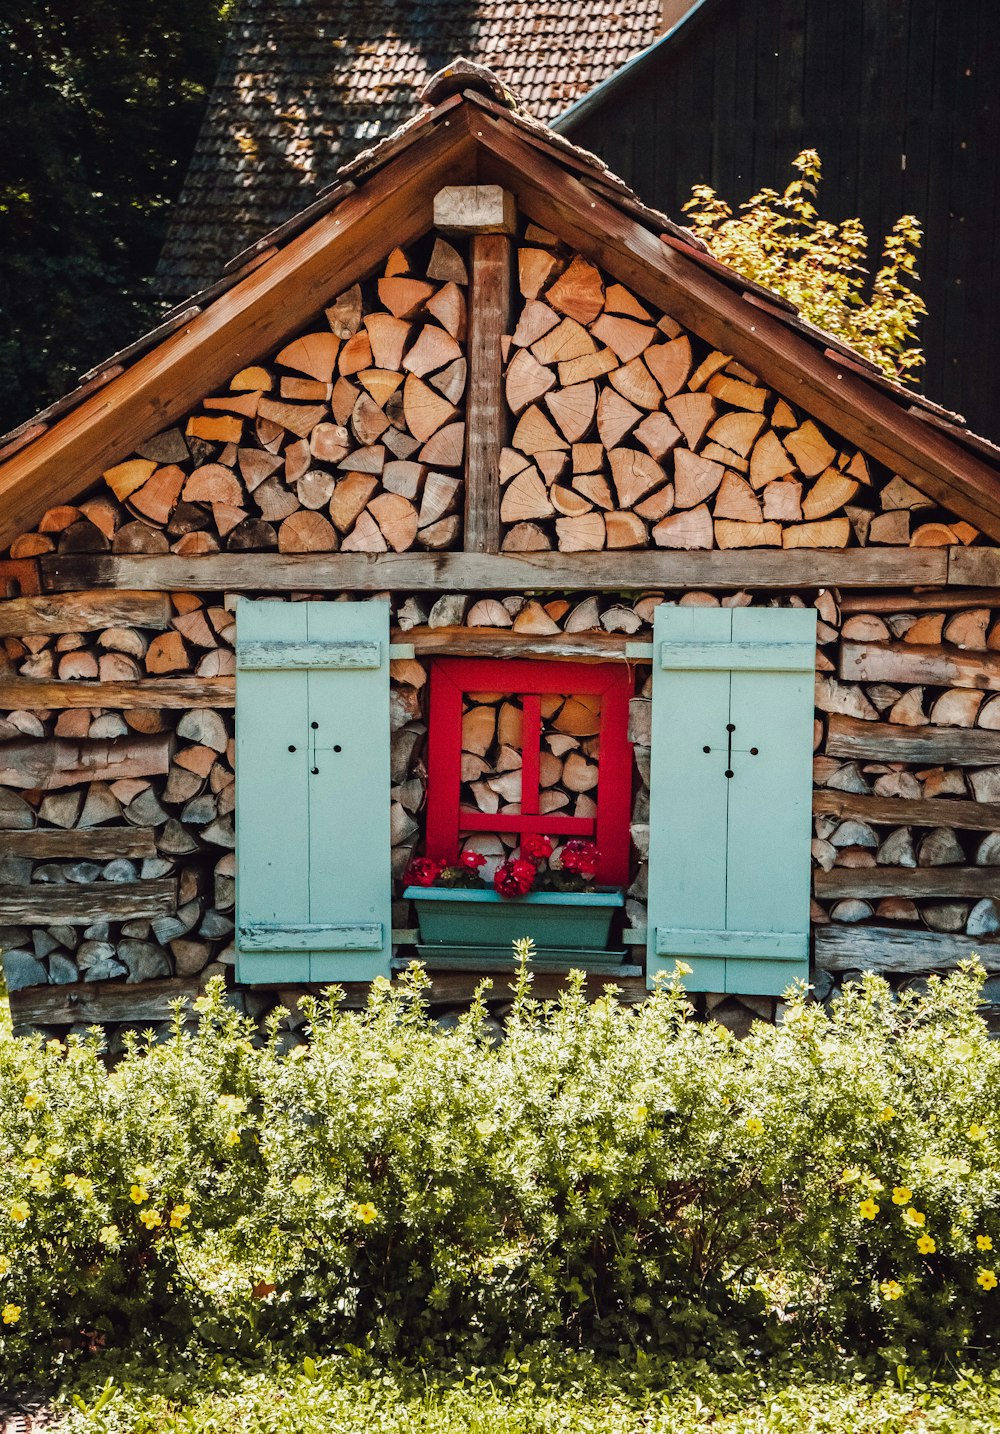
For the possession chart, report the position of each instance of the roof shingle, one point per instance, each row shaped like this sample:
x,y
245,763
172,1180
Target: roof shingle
x,y
303,87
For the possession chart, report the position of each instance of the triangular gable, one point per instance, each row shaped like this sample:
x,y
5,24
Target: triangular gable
x,y
388,201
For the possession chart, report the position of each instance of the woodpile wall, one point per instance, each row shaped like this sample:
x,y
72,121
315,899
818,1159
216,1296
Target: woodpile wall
x,y
116,740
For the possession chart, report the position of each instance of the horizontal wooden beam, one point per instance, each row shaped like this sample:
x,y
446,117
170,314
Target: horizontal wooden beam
x,y
920,663
83,612
92,843
46,764
909,812
935,600
870,882
889,950
96,1002
979,567
79,905
932,746
501,642
17,693
631,571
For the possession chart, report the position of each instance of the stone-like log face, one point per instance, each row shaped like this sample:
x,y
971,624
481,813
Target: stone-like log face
x,y
629,432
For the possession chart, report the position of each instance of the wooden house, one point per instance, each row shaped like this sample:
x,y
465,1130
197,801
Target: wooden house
x,y
478,502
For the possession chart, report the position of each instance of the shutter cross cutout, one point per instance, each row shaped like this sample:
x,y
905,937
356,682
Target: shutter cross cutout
x,y
730,749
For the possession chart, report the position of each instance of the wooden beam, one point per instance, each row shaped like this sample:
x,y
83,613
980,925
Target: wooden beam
x,y
501,642
50,763
786,360
919,663
173,692
909,812
273,303
46,903
979,567
486,414
932,746
780,569
935,600
890,949
83,612
91,843
874,881
94,1002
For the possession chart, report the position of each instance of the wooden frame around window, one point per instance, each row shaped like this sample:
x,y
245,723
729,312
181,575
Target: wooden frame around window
x,y
447,823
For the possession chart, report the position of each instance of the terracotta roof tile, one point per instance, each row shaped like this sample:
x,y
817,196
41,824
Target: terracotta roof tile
x,y
302,88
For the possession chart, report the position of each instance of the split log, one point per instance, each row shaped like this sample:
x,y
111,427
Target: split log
x,y
692,413
583,534
349,499
782,500
526,538
397,518
635,382
364,537
306,531
439,498
573,409
730,534
525,497
690,529
535,434
594,486
312,354
526,380
426,411
830,533
810,449
657,434
906,663
670,364
387,338
568,340
587,366
442,534
568,502
404,297
625,530
448,307
578,292
635,474
695,478
625,337
832,490
447,447
615,417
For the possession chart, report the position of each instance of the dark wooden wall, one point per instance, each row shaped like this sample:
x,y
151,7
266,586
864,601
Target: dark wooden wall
x,y
902,100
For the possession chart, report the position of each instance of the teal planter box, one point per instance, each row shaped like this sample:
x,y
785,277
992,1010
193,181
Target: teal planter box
x,y
555,920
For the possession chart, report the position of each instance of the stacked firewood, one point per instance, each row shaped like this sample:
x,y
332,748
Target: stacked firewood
x,y
629,432
351,437
907,765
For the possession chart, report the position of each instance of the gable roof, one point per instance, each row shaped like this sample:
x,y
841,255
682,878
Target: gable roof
x,y
302,89
385,198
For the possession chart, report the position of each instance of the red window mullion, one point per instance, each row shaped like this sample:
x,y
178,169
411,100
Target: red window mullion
x,y
531,741
444,762
549,825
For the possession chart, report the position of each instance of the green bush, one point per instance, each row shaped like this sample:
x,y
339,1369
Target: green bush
x,y
603,1176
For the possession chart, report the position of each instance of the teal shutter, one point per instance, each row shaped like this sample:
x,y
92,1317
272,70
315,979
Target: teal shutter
x,y
729,861
313,885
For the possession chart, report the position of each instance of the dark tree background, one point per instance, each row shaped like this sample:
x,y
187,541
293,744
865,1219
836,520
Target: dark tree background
x,y
100,104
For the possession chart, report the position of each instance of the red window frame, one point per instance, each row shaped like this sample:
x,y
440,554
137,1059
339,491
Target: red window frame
x,y
453,677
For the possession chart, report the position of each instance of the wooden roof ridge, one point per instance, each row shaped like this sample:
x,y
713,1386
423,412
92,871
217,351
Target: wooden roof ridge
x,y
471,135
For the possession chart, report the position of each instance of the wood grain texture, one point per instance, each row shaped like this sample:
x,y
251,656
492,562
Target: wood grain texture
x,y
83,612
888,949
86,843
936,600
914,662
887,742
172,692
932,881
906,812
42,905
47,764
489,320
473,642
489,572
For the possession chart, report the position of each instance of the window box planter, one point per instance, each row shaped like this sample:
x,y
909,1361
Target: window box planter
x,y
459,921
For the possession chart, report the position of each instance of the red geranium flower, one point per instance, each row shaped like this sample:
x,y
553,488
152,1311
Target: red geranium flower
x,y
536,848
472,860
515,878
581,857
423,871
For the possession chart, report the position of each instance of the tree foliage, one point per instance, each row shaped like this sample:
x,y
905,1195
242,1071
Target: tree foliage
x,y
780,241
100,108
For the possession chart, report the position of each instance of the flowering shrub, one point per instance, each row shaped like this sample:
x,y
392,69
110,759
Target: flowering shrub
x,y
604,1175
539,867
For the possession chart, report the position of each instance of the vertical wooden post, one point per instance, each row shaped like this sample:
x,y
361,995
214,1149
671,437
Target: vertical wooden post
x,y
489,316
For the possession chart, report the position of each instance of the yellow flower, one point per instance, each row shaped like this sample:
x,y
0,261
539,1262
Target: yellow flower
x,y
848,1176
486,1128
926,1244
108,1235
151,1218
302,1184
178,1215
232,1104
887,1113
232,1137
683,969
868,1209
914,1218
891,1290
31,1100
872,1183
976,1132
755,1125
144,1173
901,1195
983,1242
19,1211
69,1181
10,1314
4,1265
31,1145
139,1193
366,1213
42,1181
33,1165
959,1167
84,1187
987,1279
